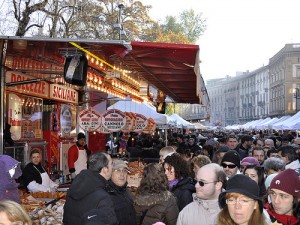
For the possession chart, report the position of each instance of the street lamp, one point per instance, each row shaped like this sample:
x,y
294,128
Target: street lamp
x,y
297,97
118,26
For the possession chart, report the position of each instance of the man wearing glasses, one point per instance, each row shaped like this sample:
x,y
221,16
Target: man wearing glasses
x,y
231,163
204,209
120,195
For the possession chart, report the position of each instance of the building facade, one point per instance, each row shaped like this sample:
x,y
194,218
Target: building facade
x,y
269,91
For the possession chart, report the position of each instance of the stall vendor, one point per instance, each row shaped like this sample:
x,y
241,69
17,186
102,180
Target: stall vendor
x,y
35,177
77,156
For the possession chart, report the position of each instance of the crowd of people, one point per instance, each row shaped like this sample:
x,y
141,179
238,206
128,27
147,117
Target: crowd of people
x,y
207,179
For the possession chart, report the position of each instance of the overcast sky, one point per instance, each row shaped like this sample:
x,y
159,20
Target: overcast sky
x,y
241,35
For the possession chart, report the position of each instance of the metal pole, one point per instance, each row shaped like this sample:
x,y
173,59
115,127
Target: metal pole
x,y
3,45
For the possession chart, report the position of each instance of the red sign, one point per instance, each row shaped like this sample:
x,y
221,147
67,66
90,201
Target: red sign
x,y
40,89
141,123
151,126
62,93
114,120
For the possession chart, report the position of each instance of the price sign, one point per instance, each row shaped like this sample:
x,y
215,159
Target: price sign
x,y
141,123
114,120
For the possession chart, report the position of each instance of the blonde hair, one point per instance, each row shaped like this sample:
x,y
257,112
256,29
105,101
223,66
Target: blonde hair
x,y
257,218
14,212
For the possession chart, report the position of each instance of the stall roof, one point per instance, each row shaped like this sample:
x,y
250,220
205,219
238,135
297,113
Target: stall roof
x,y
169,67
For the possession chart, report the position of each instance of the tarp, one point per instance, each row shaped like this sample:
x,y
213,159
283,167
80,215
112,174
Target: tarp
x,y
265,124
180,122
257,125
141,108
199,126
288,123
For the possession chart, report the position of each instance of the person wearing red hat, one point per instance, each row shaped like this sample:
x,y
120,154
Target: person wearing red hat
x,y
284,193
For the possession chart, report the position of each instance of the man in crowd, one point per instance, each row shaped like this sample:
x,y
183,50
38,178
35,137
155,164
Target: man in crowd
x,y
204,208
289,156
87,199
246,143
269,143
284,195
120,195
232,143
180,142
78,155
231,163
195,149
259,154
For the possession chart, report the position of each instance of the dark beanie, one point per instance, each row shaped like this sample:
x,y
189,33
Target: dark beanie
x,y
287,181
233,157
80,135
243,185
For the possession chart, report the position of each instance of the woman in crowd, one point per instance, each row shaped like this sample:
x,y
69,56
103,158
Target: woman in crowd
x,y
240,203
153,202
284,195
257,174
35,176
180,184
12,213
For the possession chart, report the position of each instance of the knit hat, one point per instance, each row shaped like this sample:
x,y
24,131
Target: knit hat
x,y
233,157
243,185
249,161
287,181
80,135
118,163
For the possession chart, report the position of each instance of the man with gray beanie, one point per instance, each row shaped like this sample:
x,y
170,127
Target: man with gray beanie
x,y
231,163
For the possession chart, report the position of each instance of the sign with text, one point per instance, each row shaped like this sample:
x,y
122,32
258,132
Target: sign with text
x,y
130,122
141,123
89,119
63,93
114,120
40,89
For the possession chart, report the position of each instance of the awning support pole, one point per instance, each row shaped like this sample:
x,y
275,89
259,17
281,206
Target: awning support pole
x,y
3,44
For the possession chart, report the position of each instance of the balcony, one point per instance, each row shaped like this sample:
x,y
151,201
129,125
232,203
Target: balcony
x,y
261,103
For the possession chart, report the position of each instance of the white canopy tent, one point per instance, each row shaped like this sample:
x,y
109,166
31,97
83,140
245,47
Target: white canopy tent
x,y
285,124
258,125
180,122
199,126
142,108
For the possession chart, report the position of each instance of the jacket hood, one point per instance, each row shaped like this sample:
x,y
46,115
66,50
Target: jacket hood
x,y
152,198
86,183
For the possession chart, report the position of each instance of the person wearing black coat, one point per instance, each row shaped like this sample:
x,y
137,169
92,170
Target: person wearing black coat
x,y
180,184
88,201
120,195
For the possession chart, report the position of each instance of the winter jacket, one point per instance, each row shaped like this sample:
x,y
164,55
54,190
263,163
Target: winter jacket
x,y
152,208
281,219
202,212
88,201
183,191
123,204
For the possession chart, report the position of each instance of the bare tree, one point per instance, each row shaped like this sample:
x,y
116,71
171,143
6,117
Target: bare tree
x,y
23,11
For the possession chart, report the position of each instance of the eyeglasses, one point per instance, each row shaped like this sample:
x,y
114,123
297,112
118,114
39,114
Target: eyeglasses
x,y
201,183
230,166
120,171
241,201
